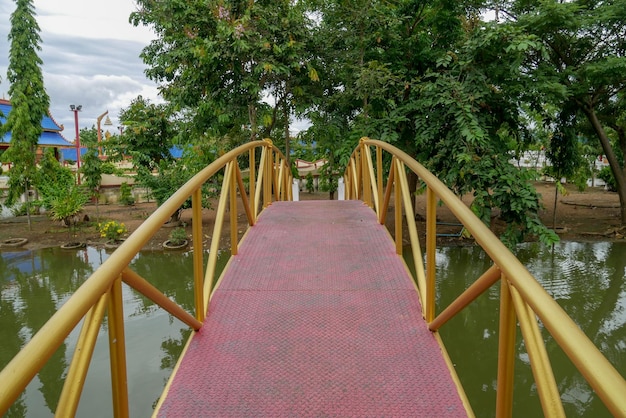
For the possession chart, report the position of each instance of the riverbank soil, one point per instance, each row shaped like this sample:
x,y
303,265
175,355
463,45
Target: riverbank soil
x,y
593,214
589,215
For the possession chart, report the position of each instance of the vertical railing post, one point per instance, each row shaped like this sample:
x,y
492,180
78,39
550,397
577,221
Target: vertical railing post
x,y
117,350
260,188
217,233
506,352
365,174
354,187
252,180
547,388
77,372
198,253
397,202
382,216
276,171
280,183
373,190
245,201
431,247
288,182
267,182
416,250
234,238
379,173
358,164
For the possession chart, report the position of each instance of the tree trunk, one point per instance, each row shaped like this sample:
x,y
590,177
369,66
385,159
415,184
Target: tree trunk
x,y
28,207
616,168
556,196
253,123
97,196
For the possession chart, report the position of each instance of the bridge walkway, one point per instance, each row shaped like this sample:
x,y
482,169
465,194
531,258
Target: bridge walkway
x,y
316,316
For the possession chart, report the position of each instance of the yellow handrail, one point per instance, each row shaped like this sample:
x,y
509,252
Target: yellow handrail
x,y
523,299
103,287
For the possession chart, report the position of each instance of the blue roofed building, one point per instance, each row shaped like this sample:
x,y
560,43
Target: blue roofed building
x,y
51,136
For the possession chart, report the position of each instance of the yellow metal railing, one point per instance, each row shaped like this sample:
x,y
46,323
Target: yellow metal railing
x,y
103,290
522,299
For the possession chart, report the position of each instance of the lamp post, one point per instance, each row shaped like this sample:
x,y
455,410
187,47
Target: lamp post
x,y
106,122
77,109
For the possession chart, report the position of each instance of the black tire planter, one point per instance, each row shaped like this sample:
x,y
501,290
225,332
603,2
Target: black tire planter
x,y
172,224
13,242
73,245
168,245
113,244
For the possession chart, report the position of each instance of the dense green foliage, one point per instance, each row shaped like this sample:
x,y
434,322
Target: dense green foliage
x,y
461,93
172,174
216,61
578,64
126,194
92,170
148,134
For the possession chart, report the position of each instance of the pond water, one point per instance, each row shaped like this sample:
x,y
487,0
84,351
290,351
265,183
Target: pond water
x,y
34,284
587,279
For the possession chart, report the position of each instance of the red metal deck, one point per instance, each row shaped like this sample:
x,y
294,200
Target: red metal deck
x,y
316,317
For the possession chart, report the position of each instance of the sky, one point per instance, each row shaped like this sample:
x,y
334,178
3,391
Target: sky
x,y
90,56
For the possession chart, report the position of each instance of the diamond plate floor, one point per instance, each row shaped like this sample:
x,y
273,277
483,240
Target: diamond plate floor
x,y
316,317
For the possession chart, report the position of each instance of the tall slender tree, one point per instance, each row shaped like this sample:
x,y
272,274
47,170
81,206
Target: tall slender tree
x,y
29,100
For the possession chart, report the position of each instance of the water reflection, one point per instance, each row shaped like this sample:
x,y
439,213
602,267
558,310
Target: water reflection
x,y
35,284
586,279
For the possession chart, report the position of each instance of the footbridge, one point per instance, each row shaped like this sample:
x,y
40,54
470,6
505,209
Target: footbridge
x,y
316,313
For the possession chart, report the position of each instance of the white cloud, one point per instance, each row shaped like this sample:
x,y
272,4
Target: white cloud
x,y
90,56
89,19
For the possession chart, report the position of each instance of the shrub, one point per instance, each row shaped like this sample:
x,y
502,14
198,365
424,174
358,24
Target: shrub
x,y
126,196
606,174
21,208
112,230
65,204
178,236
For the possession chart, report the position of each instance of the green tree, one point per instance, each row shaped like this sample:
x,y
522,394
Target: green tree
x,y
88,137
91,171
581,62
148,134
29,100
216,62
431,78
564,156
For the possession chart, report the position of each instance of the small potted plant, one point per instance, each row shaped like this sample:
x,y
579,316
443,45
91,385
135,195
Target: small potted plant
x,y
112,231
177,239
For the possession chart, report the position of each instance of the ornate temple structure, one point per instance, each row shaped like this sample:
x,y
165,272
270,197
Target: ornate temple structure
x,y
51,136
